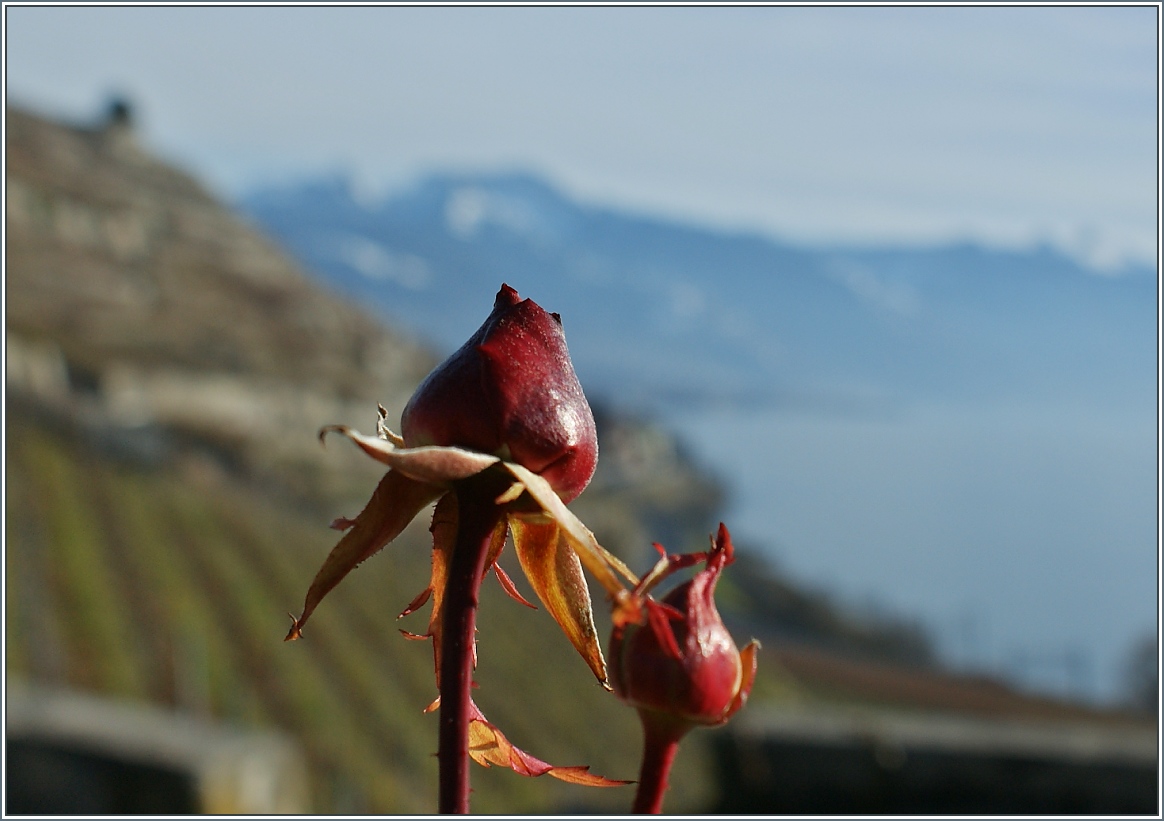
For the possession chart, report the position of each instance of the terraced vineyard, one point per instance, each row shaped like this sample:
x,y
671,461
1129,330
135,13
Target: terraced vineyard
x,y
173,585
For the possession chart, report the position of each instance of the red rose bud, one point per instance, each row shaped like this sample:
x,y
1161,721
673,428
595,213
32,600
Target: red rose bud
x,y
511,391
682,666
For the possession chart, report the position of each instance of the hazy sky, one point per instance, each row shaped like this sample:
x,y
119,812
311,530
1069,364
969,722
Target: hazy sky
x,y
1007,124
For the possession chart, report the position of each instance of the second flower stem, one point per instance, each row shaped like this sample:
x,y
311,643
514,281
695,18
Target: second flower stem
x,y
660,744
477,516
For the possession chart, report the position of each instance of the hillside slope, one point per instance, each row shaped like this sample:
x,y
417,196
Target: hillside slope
x,y
129,286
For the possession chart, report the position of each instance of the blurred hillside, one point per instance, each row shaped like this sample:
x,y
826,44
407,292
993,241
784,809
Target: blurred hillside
x,y
167,503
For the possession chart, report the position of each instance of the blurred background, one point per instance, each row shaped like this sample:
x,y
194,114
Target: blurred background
x,y
877,287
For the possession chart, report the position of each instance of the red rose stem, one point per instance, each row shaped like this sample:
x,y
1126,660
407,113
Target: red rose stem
x,y
660,744
510,387
477,516
510,392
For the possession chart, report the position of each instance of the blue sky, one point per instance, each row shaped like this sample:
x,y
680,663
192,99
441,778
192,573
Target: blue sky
x,y
860,124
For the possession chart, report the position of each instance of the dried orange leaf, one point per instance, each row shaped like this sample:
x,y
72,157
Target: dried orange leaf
x,y
395,503
556,575
444,537
417,603
382,429
512,492
583,776
496,545
601,563
488,746
510,588
434,465
627,609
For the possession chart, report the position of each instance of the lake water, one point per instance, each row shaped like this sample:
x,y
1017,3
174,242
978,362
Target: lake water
x,y
1023,537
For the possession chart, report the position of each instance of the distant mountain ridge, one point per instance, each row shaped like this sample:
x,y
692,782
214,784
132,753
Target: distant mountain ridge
x,y
658,311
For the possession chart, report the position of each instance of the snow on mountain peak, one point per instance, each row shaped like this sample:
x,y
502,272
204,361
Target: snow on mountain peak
x,y
378,262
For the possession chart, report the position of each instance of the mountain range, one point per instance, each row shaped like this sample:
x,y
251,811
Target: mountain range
x,y
661,312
